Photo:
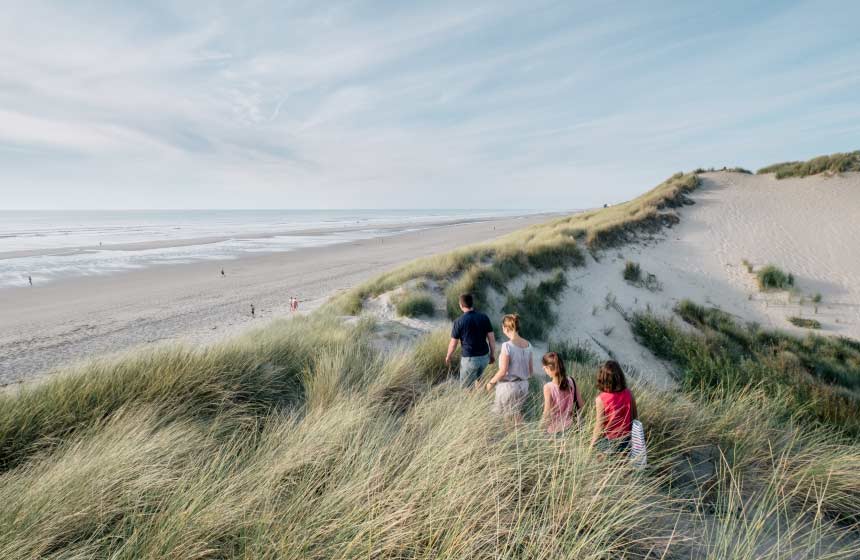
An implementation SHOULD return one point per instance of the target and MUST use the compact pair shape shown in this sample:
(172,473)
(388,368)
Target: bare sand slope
(59,323)
(809,227)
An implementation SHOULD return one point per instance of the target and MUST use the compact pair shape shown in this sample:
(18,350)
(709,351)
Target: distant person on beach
(292,304)
(561,399)
(253,311)
(222,273)
(473,331)
(515,367)
(616,410)
(30,279)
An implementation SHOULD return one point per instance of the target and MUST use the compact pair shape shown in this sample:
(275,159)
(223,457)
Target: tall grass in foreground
(379,458)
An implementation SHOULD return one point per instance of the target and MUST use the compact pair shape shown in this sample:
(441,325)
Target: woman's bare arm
(504,361)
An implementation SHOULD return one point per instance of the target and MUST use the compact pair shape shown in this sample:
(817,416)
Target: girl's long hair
(556,367)
(610,378)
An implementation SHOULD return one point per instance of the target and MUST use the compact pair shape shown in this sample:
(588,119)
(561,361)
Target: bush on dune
(804,322)
(772,278)
(535,306)
(415,304)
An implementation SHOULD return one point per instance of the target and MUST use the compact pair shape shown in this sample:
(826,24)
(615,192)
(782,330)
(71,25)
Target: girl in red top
(616,410)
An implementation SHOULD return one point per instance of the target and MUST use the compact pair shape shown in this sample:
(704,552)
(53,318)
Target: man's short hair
(467,301)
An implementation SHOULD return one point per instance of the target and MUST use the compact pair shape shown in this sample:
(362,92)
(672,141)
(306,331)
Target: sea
(51,245)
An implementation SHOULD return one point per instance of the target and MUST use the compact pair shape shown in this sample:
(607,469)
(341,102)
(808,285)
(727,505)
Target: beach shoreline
(387,228)
(76,319)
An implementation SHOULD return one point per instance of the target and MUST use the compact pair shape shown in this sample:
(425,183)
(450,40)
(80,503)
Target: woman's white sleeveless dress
(512,390)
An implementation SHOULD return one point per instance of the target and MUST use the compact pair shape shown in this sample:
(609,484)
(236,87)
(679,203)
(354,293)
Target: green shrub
(772,278)
(534,306)
(804,323)
(415,304)
(632,272)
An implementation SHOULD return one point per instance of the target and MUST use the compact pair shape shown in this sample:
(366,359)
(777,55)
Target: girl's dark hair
(556,365)
(610,378)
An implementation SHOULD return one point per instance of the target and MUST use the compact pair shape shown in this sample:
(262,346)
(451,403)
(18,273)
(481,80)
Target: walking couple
(563,404)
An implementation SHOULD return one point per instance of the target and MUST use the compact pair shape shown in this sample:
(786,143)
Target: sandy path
(53,325)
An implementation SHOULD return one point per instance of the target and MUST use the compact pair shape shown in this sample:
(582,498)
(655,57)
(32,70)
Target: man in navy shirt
(475,335)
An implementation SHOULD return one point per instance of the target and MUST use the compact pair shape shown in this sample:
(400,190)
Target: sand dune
(805,226)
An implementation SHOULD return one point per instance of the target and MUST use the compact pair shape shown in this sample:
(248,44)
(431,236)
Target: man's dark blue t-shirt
(471,329)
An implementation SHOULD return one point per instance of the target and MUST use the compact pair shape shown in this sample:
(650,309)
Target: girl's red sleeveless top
(617,413)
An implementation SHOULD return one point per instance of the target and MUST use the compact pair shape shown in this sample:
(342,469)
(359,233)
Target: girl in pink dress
(561,398)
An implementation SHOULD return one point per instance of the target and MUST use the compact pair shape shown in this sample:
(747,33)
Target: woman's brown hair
(512,322)
(555,364)
(610,378)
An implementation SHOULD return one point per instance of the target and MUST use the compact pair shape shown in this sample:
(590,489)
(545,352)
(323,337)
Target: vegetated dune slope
(807,227)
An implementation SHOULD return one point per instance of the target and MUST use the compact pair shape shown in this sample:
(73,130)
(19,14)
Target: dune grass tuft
(771,277)
(804,322)
(632,272)
(415,304)
(535,306)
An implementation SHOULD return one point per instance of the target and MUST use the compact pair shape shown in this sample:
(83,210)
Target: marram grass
(367,455)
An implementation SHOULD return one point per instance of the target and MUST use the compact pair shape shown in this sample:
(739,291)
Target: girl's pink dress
(563,406)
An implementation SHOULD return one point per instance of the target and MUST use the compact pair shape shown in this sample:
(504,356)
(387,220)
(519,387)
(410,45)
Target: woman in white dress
(511,382)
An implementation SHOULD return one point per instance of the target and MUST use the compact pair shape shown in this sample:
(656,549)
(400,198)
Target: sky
(529,104)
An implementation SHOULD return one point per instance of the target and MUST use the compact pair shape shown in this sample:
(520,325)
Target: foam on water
(237,232)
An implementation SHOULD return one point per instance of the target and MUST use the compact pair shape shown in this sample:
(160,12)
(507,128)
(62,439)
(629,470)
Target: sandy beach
(57,324)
